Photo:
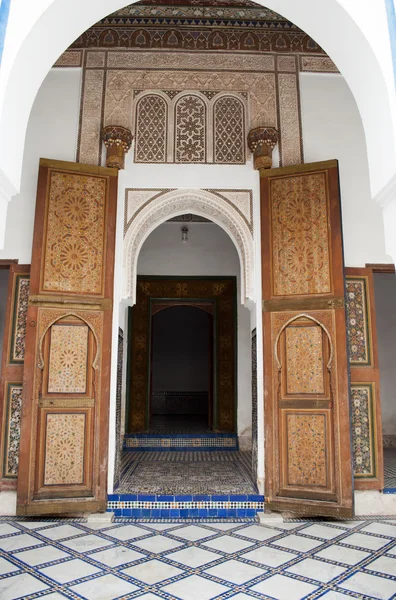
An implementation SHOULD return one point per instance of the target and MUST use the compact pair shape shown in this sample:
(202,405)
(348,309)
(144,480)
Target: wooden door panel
(307,448)
(13,357)
(365,380)
(63,457)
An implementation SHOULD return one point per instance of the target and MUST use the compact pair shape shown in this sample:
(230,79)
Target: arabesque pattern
(190,130)
(304,360)
(301,246)
(151,129)
(64,449)
(357,321)
(68,359)
(229,131)
(363,429)
(75,234)
(13,430)
(20,314)
(306,449)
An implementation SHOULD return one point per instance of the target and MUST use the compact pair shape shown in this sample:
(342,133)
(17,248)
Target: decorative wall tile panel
(21,300)
(64,449)
(190,130)
(229,131)
(300,250)
(68,359)
(290,129)
(89,142)
(304,360)
(306,450)
(151,129)
(75,234)
(13,409)
(358,330)
(363,429)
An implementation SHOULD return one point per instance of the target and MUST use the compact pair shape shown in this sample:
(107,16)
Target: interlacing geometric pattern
(190,126)
(229,131)
(151,119)
(197,561)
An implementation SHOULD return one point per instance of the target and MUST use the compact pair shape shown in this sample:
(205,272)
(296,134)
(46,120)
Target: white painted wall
(332,128)
(209,251)
(385,303)
(52,133)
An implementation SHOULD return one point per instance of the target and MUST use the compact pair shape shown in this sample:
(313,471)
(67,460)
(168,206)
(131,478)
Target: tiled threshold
(185,506)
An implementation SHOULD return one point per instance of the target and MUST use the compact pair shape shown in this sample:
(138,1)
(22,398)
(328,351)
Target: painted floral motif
(13,430)
(300,235)
(68,359)
(362,407)
(304,360)
(75,233)
(357,326)
(306,450)
(20,314)
(64,449)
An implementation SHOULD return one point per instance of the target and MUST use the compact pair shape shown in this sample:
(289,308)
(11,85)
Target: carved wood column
(261,142)
(117,140)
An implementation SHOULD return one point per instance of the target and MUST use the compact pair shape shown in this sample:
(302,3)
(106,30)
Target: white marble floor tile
(317,569)
(335,596)
(344,524)
(381,528)
(270,557)
(69,571)
(98,525)
(117,556)
(24,540)
(152,572)
(365,541)
(295,542)
(224,526)
(340,554)
(38,556)
(195,588)
(7,567)
(86,543)
(193,533)
(61,532)
(107,587)
(323,531)
(370,585)
(160,526)
(258,533)
(128,532)
(157,544)
(235,571)
(20,586)
(228,544)
(383,564)
(284,588)
(286,526)
(241,596)
(55,596)
(193,557)
(154,597)
(34,525)
(6,529)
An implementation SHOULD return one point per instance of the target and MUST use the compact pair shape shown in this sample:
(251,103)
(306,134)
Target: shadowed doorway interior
(181,374)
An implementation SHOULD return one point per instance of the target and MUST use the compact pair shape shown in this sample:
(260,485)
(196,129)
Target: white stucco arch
(189,201)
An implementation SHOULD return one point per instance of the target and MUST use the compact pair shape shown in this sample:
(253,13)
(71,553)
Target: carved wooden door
(365,380)
(306,402)
(64,430)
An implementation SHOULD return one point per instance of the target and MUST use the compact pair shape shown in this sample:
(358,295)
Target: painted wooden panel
(12,370)
(64,429)
(307,420)
(365,380)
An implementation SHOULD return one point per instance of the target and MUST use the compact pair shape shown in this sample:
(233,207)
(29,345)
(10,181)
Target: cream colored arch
(188,201)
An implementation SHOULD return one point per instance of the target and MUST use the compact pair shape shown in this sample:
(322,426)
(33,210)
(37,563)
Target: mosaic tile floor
(186,473)
(390,467)
(197,561)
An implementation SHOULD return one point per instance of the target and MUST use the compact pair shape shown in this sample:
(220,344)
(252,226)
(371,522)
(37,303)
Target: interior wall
(4,276)
(332,128)
(385,303)
(209,251)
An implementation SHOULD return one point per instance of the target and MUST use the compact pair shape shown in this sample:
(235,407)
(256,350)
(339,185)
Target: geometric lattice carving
(229,131)
(306,449)
(300,251)
(363,429)
(75,234)
(151,126)
(190,130)
(358,330)
(304,360)
(64,449)
(68,359)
